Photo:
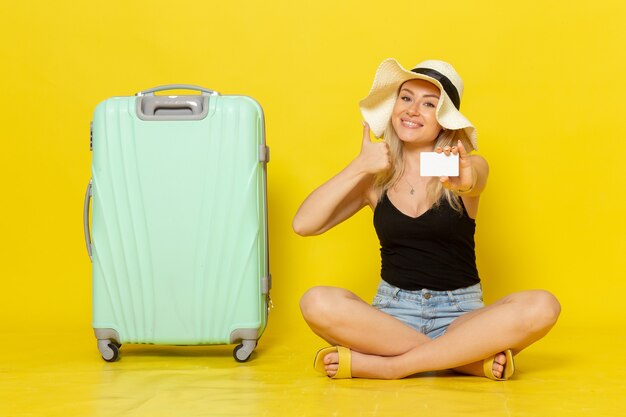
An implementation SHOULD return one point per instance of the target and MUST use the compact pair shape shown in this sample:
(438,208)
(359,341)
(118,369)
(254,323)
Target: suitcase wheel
(242,351)
(109,350)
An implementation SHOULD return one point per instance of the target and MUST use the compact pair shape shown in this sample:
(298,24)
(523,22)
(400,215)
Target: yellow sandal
(345,361)
(509,368)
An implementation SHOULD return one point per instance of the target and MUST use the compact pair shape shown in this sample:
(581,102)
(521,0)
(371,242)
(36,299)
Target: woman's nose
(413,110)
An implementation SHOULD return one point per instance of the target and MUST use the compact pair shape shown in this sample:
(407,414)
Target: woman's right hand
(374,156)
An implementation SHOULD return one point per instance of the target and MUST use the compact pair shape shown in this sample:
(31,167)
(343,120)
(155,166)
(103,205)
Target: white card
(433,164)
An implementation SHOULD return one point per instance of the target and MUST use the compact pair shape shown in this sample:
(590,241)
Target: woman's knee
(542,310)
(314,302)
(319,303)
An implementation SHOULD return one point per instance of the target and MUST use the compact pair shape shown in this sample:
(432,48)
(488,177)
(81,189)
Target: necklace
(412,188)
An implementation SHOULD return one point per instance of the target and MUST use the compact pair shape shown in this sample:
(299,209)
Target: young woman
(428,312)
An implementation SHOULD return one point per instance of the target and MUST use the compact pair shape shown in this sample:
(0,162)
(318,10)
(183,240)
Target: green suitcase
(178,236)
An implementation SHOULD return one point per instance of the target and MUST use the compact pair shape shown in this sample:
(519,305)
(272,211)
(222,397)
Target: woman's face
(413,116)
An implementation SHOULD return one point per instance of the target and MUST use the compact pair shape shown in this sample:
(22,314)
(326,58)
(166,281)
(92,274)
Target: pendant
(412,191)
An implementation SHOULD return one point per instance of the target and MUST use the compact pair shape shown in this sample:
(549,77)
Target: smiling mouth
(410,124)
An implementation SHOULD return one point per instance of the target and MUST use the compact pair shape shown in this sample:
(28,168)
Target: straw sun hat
(376,108)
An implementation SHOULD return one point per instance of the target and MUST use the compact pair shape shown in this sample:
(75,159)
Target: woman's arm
(472,179)
(346,193)
(480,170)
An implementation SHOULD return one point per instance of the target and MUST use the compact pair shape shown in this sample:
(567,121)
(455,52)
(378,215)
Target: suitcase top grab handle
(204,91)
(151,107)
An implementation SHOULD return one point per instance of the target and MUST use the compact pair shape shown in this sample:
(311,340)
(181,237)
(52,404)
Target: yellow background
(544,86)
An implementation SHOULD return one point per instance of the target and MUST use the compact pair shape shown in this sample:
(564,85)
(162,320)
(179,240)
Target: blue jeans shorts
(429,312)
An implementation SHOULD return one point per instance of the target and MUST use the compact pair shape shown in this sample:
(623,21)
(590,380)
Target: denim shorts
(429,312)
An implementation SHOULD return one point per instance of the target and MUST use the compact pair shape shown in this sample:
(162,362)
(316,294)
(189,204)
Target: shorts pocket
(470,304)
(381,301)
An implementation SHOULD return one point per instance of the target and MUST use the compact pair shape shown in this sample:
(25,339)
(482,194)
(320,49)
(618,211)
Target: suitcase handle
(86,219)
(204,91)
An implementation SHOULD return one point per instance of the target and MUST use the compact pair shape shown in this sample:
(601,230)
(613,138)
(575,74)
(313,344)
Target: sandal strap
(345,363)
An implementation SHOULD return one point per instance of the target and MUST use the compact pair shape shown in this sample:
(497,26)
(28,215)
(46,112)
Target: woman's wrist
(471,187)
(358,167)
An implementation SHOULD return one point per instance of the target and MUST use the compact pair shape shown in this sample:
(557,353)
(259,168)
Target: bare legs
(341,318)
(384,347)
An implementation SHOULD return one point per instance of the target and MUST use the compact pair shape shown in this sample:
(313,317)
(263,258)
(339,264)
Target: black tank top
(433,251)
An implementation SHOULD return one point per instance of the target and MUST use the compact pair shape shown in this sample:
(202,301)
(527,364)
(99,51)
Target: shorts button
(427,296)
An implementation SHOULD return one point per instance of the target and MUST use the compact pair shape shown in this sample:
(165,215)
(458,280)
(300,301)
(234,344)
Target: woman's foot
(500,368)
(362,366)
(477,368)
(381,367)
(499,362)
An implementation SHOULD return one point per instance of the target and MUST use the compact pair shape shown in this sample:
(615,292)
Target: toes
(332,364)
(331,370)
(331,358)
(499,363)
(497,370)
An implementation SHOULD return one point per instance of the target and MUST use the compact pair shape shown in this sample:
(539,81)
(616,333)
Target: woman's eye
(429,104)
(405,98)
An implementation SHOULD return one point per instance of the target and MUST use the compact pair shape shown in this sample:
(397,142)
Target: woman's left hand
(465,180)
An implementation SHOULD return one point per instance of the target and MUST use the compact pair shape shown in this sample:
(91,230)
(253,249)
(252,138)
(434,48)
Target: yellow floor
(47,374)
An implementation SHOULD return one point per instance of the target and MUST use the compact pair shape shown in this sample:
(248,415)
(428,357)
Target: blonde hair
(435,190)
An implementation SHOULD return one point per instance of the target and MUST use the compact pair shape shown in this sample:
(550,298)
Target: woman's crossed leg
(384,347)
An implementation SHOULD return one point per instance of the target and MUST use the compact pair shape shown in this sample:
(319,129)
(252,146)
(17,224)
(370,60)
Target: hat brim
(377,107)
